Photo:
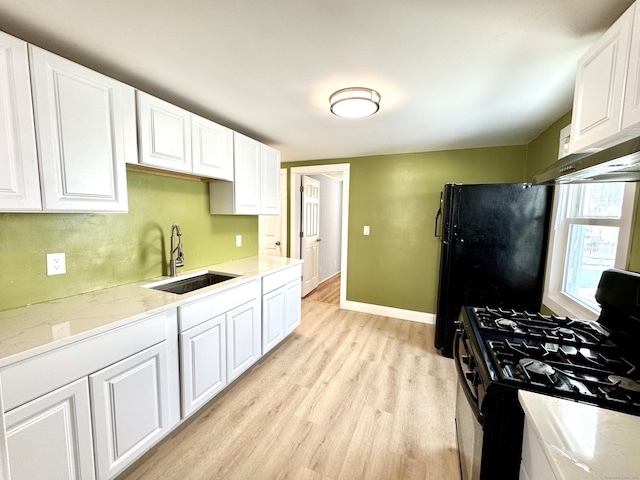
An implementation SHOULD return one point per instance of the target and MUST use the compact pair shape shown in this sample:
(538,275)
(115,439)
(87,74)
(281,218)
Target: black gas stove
(499,351)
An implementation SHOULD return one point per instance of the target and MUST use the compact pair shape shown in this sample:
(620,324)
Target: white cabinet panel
(247,175)
(203,362)
(631,106)
(600,85)
(273,308)
(19,181)
(130,408)
(165,134)
(81,133)
(243,338)
(56,430)
(256,186)
(269,181)
(212,147)
(293,306)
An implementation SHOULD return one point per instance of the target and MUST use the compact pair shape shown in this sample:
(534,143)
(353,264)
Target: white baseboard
(411,315)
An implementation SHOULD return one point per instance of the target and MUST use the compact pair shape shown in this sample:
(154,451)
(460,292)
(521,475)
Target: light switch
(238,240)
(366,229)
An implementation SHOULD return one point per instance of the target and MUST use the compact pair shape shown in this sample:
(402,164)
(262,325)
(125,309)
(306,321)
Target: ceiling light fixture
(355,102)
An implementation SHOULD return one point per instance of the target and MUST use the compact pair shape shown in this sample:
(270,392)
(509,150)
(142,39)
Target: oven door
(468,417)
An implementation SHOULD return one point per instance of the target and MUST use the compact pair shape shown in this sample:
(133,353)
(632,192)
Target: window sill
(563,306)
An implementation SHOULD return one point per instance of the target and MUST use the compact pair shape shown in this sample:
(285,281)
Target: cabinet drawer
(29,379)
(206,308)
(278,279)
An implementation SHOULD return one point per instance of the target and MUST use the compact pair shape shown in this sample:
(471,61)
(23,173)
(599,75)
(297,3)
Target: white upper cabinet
(631,107)
(172,138)
(212,147)
(164,133)
(82,134)
(256,186)
(269,181)
(19,181)
(602,78)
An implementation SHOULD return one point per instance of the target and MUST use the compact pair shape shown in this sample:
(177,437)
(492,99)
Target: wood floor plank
(346,396)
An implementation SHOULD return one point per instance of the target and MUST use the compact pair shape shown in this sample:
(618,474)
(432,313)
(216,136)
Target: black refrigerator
(493,250)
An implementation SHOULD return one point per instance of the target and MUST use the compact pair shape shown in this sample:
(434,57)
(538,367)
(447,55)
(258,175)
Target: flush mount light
(355,102)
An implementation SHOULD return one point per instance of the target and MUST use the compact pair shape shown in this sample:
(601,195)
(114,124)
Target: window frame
(561,220)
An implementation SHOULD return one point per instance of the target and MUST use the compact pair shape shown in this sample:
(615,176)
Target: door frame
(294,209)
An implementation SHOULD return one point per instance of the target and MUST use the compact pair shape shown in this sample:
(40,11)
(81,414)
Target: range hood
(620,163)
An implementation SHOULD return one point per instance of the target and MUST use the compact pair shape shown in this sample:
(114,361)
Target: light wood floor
(347,396)
(327,292)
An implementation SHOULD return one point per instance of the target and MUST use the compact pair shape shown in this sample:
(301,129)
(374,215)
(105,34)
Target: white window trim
(553,297)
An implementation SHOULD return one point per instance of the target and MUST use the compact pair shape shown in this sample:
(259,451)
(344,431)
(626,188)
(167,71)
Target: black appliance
(498,351)
(494,242)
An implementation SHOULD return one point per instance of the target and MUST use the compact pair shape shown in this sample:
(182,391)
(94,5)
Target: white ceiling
(452,73)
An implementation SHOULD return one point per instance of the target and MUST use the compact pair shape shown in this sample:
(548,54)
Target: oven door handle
(471,399)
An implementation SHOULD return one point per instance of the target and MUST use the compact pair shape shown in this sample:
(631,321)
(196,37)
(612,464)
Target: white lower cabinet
(243,338)
(50,437)
(281,305)
(203,359)
(130,408)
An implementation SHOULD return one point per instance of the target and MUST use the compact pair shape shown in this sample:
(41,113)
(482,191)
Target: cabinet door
(50,437)
(269,181)
(631,108)
(243,338)
(81,130)
(19,182)
(600,83)
(130,408)
(246,175)
(273,313)
(293,306)
(204,363)
(164,131)
(212,147)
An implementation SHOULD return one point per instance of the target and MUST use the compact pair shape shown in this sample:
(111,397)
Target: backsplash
(104,250)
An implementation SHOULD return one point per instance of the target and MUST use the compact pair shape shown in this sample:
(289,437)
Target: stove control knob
(470,361)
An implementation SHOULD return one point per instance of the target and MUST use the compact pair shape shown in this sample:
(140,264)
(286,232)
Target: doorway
(342,170)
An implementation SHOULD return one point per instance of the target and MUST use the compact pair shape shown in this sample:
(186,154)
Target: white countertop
(583,442)
(34,329)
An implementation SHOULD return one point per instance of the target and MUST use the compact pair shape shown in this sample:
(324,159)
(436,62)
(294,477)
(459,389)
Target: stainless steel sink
(189,284)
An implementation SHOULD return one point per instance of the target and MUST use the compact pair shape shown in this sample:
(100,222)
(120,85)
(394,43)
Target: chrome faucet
(178,261)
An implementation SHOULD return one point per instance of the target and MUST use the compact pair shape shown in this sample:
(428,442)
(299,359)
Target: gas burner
(536,366)
(565,332)
(506,323)
(625,383)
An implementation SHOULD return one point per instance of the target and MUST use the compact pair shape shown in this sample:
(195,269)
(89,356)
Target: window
(590,232)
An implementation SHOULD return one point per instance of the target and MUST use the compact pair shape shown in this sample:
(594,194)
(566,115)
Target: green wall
(398,197)
(103,250)
(543,151)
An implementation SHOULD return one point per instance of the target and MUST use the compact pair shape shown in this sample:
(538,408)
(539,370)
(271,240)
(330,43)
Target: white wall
(330,226)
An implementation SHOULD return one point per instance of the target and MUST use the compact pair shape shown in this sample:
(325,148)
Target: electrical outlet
(238,240)
(56,264)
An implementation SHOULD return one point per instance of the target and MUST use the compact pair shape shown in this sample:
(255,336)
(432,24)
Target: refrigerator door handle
(438,215)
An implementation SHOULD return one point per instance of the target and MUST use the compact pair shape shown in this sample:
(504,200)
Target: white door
(83,129)
(600,80)
(246,153)
(243,338)
(273,228)
(310,233)
(130,402)
(165,134)
(19,181)
(50,437)
(203,362)
(212,149)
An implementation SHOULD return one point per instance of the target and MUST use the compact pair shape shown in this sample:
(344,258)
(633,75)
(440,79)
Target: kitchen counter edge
(35,329)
